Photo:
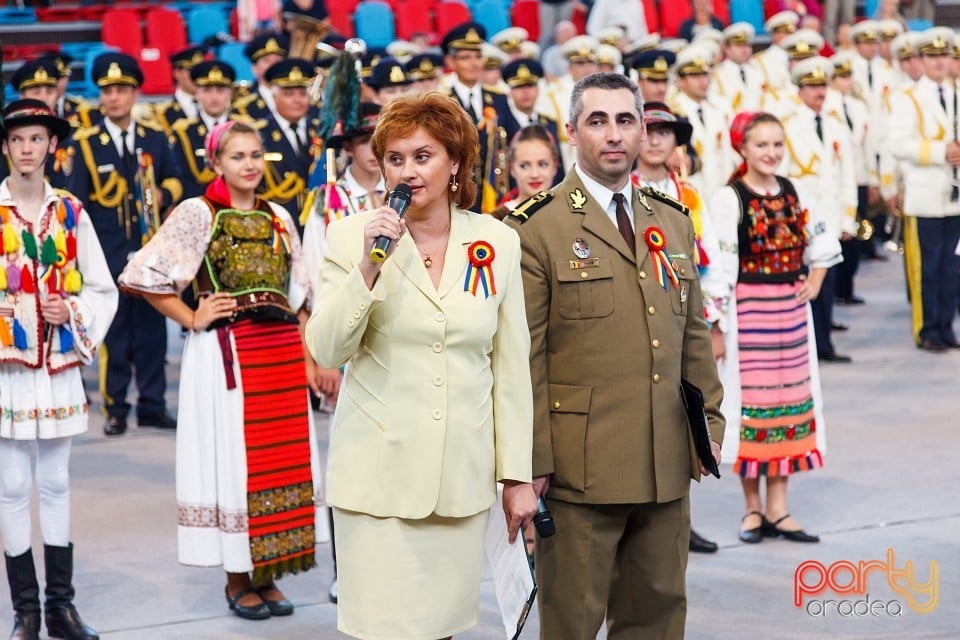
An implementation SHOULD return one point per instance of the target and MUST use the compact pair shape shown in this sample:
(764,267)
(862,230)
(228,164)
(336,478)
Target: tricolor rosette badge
(480,270)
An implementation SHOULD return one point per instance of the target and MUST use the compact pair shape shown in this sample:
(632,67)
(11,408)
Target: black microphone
(398,200)
(543,520)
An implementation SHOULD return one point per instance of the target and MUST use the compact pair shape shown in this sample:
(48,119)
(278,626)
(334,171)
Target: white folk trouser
(53,484)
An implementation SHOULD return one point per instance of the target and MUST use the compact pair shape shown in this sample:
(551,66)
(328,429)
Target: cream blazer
(436,404)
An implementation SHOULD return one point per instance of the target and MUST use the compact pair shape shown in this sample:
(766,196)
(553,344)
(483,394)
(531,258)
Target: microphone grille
(403,190)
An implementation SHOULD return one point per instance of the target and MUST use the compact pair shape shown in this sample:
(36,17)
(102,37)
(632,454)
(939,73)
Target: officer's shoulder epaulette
(495,90)
(525,210)
(666,199)
(245,99)
(83,133)
(150,124)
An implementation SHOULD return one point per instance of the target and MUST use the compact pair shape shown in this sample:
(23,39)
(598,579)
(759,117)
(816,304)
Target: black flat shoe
(850,300)
(699,544)
(115,426)
(834,357)
(770,530)
(158,420)
(836,326)
(282,607)
(952,343)
(247,612)
(751,536)
(933,346)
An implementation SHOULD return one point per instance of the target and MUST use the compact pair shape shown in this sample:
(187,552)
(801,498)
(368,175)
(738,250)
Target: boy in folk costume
(58,301)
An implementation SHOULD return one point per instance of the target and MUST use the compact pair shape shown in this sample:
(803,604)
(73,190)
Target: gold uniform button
(556,404)
(655,343)
(643,275)
(656,377)
(584,274)
(683,271)
(651,310)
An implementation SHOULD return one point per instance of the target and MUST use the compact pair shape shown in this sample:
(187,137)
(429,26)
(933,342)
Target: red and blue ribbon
(661,263)
(479,271)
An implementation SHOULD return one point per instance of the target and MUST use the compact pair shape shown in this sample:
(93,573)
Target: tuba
(305,34)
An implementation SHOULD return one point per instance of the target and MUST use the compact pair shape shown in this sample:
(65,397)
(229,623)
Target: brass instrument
(305,34)
(865,229)
(501,170)
(147,196)
(894,228)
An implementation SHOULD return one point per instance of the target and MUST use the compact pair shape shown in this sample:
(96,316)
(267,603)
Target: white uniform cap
(611,36)
(529,49)
(674,45)
(739,33)
(402,50)
(510,39)
(865,31)
(579,49)
(782,21)
(648,42)
(812,71)
(802,44)
(693,59)
(609,54)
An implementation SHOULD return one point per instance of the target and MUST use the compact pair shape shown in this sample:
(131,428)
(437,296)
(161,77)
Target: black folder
(697,418)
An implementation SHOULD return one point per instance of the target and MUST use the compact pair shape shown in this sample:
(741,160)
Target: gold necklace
(428,256)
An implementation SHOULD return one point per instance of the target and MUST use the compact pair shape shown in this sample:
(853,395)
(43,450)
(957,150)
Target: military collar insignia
(104,138)
(577,199)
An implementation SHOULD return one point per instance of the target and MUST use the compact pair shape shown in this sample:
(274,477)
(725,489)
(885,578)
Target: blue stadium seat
(232,54)
(492,15)
(203,22)
(748,11)
(919,24)
(374,23)
(17,16)
(870,8)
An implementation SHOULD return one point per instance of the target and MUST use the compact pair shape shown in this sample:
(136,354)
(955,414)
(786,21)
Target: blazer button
(584,274)
(643,275)
(655,343)
(437,414)
(440,317)
(356,314)
(437,381)
(556,404)
(651,310)
(363,306)
(350,323)
(656,377)
(437,347)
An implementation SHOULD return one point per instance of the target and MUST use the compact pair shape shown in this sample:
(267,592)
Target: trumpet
(146,193)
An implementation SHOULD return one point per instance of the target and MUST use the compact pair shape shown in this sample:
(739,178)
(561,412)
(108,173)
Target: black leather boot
(60,615)
(25,594)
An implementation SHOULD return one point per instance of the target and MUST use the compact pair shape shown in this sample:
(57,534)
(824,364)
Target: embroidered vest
(771,234)
(249,257)
(40,260)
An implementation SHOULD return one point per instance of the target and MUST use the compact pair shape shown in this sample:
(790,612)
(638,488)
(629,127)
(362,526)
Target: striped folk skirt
(777,423)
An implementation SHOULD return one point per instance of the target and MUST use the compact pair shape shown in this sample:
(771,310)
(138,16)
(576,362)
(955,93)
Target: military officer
(711,128)
(923,137)
(120,164)
(264,51)
(904,50)
(610,341)
(735,81)
(424,70)
(184,103)
(493,60)
(462,47)
(841,102)
(71,108)
(609,59)
(772,61)
(820,159)
(289,134)
(653,73)
(510,41)
(388,80)
(214,82)
(523,77)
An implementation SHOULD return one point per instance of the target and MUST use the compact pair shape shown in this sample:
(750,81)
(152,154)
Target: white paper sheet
(512,578)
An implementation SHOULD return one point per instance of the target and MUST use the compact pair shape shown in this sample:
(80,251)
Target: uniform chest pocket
(680,295)
(584,291)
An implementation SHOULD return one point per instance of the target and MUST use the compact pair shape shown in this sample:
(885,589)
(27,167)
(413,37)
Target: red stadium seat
(157,72)
(59,14)
(652,15)
(526,14)
(341,18)
(449,14)
(721,9)
(121,29)
(165,29)
(672,15)
(413,16)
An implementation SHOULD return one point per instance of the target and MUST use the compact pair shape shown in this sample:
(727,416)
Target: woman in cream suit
(436,404)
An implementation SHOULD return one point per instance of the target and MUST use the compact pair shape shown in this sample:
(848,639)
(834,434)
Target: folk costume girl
(58,301)
(772,397)
(247,472)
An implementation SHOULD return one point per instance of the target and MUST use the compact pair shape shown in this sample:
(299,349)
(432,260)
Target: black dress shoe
(933,346)
(282,607)
(247,612)
(699,544)
(115,426)
(952,343)
(834,357)
(159,420)
(850,300)
(751,536)
(836,326)
(770,530)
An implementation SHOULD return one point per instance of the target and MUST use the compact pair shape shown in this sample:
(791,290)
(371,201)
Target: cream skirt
(408,579)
